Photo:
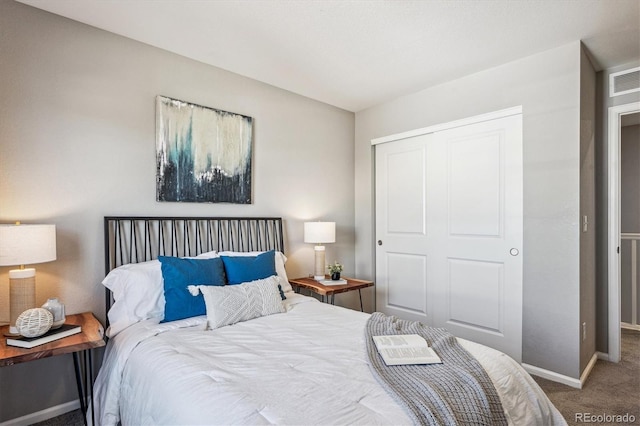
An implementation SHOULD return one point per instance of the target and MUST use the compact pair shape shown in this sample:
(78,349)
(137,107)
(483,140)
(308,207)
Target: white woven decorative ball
(34,322)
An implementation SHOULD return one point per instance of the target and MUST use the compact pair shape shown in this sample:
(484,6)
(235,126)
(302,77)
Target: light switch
(585,223)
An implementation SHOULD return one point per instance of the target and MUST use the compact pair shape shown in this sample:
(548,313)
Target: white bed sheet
(305,366)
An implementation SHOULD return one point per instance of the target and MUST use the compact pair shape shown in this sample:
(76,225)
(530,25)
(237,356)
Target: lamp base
(22,294)
(318,272)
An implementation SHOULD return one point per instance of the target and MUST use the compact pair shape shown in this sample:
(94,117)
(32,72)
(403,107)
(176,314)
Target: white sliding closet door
(403,252)
(449,231)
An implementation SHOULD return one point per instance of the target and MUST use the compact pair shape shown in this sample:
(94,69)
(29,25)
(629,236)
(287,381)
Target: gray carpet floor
(72,418)
(611,389)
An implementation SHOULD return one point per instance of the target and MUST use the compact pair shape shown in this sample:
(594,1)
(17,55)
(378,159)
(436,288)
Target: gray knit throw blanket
(456,392)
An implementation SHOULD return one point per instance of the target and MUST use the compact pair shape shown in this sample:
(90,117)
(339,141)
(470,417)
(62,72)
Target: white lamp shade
(27,244)
(319,232)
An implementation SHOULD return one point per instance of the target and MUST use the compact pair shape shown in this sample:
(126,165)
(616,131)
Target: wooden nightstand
(80,345)
(331,290)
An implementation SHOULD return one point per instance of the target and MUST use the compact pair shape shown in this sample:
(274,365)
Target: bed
(301,362)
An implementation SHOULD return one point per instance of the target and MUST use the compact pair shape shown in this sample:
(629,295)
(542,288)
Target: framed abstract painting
(203,155)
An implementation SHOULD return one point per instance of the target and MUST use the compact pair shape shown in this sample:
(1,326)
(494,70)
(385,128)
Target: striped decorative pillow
(236,303)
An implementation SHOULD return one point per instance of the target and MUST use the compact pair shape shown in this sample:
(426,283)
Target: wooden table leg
(84,381)
(79,376)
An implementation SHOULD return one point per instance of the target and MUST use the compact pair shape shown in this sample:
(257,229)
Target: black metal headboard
(134,239)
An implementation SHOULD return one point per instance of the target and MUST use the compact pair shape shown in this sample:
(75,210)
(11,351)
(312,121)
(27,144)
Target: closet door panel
(449,230)
(402,259)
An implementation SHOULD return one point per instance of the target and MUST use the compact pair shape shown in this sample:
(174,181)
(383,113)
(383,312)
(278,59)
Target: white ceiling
(358,53)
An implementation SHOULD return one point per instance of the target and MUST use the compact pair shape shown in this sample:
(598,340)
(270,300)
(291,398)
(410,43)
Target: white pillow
(138,293)
(230,304)
(280,258)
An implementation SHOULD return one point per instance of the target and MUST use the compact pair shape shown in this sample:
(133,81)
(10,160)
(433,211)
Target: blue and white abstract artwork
(203,154)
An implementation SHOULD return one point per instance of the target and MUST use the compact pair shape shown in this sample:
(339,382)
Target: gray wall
(603,103)
(629,216)
(547,85)
(630,179)
(587,208)
(77,142)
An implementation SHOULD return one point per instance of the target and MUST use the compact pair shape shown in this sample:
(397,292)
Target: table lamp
(24,245)
(319,233)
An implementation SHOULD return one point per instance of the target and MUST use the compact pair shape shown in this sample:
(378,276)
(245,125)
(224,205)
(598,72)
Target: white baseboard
(560,378)
(552,375)
(603,356)
(630,326)
(43,415)
(587,369)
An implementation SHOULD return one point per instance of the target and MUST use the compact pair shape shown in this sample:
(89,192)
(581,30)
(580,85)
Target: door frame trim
(449,125)
(613,262)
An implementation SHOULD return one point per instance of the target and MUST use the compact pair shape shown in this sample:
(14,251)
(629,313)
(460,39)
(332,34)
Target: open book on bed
(403,349)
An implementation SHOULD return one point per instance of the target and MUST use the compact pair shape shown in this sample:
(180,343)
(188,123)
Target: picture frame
(203,154)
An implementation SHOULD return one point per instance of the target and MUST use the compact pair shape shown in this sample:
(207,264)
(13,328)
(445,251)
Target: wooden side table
(80,345)
(331,290)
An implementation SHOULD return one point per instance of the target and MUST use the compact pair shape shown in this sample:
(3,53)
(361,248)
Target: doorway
(629,220)
(616,116)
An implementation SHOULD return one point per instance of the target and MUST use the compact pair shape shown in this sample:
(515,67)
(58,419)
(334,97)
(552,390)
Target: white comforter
(305,366)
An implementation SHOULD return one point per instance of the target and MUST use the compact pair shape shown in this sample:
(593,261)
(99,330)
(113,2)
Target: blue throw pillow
(242,269)
(179,273)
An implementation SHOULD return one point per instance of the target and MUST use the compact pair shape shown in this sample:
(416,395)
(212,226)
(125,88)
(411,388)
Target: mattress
(305,366)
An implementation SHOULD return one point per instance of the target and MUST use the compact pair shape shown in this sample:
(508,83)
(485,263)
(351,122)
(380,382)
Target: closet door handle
(379,242)
(514,252)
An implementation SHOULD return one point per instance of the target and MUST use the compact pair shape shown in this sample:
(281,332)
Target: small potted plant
(335,270)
